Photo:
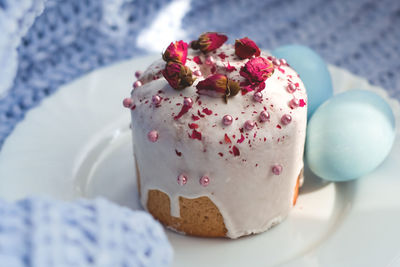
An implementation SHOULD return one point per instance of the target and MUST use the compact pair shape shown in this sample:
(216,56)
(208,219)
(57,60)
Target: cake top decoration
(218,85)
(176,52)
(178,76)
(256,71)
(246,48)
(209,41)
(218,81)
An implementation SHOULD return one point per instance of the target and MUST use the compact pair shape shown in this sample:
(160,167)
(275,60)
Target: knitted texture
(73,37)
(40,232)
(15,21)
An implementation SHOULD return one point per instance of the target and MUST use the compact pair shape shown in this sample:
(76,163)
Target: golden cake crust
(199,216)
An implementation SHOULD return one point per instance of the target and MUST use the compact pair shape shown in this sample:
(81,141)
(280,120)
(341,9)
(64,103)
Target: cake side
(250,173)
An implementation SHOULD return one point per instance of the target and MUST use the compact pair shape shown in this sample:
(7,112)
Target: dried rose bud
(178,75)
(176,52)
(246,48)
(209,41)
(218,85)
(257,70)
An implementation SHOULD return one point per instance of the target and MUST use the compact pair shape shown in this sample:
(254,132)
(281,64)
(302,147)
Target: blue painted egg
(312,70)
(349,135)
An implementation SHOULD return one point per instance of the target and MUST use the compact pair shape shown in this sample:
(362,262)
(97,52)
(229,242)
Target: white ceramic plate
(77,143)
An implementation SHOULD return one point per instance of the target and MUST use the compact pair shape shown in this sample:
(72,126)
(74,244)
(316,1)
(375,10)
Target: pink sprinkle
(137,84)
(195,118)
(156,100)
(276,62)
(127,102)
(291,88)
(294,103)
(277,169)
(258,96)
(210,60)
(204,181)
(182,179)
(227,120)
(286,119)
(249,125)
(264,116)
(281,70)
(152,136)
(302,103)
(138,73)
(187,101)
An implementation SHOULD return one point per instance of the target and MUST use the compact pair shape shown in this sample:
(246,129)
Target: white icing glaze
(249,196)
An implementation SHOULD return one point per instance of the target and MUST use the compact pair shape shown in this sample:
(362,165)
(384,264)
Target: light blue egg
(349,135)
(312,70)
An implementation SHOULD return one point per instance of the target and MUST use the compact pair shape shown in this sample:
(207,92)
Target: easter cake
(218,134)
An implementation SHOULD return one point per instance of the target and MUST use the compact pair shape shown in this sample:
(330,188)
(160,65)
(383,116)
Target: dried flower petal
(229,68)
(246,48)
(222,55)
(209,41)
(218,85)
(195,135)
(235,151)
(207,111)
(257,70)
(227,139)
(197,59)
(176,52)
(241,139)
(178,75)
(193,125)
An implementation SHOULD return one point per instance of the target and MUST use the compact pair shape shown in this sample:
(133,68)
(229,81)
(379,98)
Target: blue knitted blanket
(39,232)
